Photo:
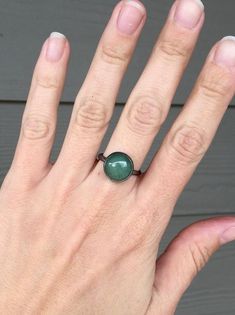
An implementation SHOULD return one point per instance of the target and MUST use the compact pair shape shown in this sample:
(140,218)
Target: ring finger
(95,101)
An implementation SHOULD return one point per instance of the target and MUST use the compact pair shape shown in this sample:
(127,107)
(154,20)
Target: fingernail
(188,13)
(228,235)
(56,45)
(225,52)
(130,16)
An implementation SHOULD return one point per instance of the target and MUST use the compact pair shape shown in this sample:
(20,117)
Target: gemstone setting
(118,166)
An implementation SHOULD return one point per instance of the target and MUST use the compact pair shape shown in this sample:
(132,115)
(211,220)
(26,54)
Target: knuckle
(138,230)
(47,81)
(187,145)
(92,115)
(145,116)
(200,255)
(135,232)
(114,54)
(36,127)
(174,48)
(215,84)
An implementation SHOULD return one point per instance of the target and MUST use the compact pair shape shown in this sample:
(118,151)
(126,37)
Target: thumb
(186,255)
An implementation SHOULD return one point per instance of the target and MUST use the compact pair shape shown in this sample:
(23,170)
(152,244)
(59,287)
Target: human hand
(75,242)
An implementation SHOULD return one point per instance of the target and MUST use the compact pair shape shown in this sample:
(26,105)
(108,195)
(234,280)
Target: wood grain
(24,25)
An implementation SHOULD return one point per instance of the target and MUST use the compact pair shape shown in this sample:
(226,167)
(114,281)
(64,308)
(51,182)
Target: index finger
(193,131)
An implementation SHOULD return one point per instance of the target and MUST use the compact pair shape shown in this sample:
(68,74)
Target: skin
(71,240)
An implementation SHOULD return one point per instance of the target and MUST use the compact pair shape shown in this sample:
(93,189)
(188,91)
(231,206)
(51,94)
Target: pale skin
(71,240)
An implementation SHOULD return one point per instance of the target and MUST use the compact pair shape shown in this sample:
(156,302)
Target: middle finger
(150,100)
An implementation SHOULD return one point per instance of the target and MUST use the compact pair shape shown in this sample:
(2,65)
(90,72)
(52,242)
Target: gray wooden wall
(25,24)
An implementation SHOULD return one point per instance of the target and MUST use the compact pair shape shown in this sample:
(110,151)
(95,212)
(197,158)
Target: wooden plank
(83,22)
(211,189)
(213,290)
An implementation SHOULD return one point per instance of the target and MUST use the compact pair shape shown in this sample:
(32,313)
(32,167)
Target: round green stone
(118,166)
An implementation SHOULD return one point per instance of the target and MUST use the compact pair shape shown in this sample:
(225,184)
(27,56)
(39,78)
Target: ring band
(118,166)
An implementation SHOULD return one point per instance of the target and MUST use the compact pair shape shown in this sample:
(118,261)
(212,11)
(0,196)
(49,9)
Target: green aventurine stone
(118,166)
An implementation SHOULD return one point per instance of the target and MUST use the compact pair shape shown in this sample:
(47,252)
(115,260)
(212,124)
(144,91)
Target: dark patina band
(118,166)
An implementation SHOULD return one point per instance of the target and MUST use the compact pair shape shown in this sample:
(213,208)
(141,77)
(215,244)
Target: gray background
(25,24)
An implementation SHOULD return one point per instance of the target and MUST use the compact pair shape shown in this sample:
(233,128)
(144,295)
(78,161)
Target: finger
(95,101)
(186,255)
(191,134)
(150,100)
(39,119)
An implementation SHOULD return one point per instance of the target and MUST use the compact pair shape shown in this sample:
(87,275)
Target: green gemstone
(118,166)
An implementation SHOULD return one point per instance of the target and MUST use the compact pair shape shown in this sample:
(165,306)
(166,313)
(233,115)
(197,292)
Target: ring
(118,166)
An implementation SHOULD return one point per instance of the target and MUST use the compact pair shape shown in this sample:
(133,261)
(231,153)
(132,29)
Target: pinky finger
(31,160)
(186,255)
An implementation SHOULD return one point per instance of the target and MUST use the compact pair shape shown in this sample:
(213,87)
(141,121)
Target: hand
(75,242)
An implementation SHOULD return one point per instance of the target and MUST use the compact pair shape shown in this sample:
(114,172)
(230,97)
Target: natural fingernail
(225,52)
(56,45)
(130,16)
(188,13)
(228,235)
